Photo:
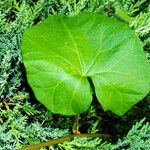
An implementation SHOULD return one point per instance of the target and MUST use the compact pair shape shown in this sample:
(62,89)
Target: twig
(8,104)
(64,139)
(108,12)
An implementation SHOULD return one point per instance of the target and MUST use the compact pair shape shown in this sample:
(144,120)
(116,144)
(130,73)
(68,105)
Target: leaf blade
(67,50)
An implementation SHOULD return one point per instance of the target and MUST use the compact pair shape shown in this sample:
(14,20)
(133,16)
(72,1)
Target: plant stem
(75,128)
(64,139)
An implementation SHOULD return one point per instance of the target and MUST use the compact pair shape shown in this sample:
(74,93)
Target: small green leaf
(61,53)
(123,15)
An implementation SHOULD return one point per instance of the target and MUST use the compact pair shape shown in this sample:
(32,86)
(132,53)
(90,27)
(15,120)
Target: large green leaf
(62,52)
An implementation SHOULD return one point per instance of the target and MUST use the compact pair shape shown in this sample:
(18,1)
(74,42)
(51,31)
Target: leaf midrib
(74,44)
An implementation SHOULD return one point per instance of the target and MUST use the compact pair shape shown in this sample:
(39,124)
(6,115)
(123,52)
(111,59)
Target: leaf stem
(75,128)
(64,139)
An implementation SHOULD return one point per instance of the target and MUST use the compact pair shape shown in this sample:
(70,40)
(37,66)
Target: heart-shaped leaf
(62,52)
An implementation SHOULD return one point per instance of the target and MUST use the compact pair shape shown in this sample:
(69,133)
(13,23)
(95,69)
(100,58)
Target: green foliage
(132,7)
(137,138)
(10,56)
(15,17)
(17,132)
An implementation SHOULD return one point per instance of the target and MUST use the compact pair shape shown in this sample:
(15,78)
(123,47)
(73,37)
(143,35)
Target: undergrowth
(23,121)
